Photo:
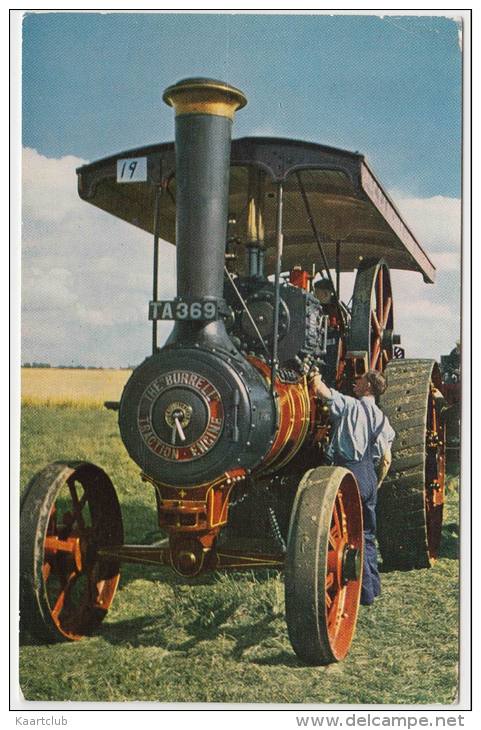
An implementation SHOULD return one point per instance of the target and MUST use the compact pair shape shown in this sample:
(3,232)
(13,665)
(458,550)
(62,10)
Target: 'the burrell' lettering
(205,441)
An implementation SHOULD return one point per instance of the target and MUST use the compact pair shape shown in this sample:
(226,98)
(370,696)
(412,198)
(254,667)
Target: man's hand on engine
(316,384)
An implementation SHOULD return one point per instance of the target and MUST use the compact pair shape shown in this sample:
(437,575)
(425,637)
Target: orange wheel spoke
(336,594)
(329,580)
(342,511)
(386,310)
(60,602)
(375,321)
(332,610)
(54,544)
(46,570)
(375,354)
(333,613)
(380,287)
(336,521)
(334,538)
(434,416)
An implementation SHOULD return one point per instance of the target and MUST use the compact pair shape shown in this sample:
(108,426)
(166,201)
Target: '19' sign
(132,169)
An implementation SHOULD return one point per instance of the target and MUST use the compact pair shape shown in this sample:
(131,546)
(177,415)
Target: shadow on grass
(450,541)
(282,659)
(28,639)
(146,632)
(130,572)
(251,636)
(245,635)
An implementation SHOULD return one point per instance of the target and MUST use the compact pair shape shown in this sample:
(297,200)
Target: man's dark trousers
(366,478)
(367,482)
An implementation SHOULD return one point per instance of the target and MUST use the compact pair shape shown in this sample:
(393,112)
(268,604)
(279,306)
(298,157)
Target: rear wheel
(411,499)
(68,512)
(324,565)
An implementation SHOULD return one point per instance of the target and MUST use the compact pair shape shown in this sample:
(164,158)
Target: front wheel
(69,510)
(324,565)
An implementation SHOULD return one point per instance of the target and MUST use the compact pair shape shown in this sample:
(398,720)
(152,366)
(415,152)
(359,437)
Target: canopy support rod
(155,282)
(338,268)
(277,285)
(318,241)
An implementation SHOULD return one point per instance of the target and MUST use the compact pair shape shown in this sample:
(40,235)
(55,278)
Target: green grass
(224,638)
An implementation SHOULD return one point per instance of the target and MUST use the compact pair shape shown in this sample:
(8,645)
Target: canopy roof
(350,209)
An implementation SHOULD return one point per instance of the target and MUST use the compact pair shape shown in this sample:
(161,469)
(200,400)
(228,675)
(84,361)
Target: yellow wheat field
(56,386)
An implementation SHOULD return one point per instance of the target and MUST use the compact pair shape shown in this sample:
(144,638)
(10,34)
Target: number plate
(132,169)
(189,311)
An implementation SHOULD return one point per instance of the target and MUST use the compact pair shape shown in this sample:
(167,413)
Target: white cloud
(425,309)
(49,187)
(436,221)
(427,316)
(86,276)
(264,130)
(447,261)
(46,290)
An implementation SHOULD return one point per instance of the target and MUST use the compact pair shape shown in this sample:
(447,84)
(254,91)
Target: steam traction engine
(220,419)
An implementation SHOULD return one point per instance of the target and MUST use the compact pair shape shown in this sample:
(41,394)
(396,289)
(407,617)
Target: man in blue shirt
(361,442)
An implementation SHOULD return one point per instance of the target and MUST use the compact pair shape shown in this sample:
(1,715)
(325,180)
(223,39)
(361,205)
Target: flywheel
(372,317)
(410,501)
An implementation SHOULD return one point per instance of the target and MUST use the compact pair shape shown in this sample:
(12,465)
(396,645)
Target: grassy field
(224,638)
(76,388)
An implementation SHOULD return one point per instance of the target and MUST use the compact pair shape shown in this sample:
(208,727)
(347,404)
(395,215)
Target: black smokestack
(204,112)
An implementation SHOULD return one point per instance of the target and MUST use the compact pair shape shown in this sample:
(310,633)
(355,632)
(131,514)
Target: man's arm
(318,386)
(382,452)
(383,466)
(338,403)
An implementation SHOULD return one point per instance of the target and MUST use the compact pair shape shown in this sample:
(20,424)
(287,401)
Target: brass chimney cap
(204,96)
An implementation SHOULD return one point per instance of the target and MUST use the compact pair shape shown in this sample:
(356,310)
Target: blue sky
(386,86)
(92,85)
